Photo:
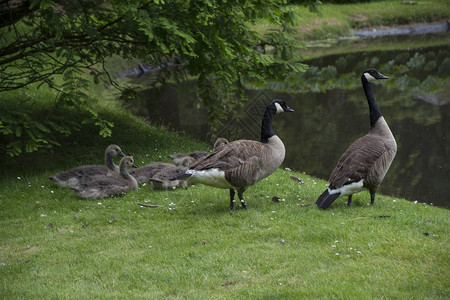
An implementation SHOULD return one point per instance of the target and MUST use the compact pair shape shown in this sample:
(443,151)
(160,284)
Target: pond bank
(414,29)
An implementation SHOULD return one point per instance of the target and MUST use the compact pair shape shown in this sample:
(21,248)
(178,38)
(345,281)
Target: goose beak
(134,165)
(382,76)
(122,154)
(288,109)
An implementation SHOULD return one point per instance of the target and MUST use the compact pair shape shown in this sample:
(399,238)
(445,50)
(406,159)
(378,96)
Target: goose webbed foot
(349,202)
(241,197)
(232,199)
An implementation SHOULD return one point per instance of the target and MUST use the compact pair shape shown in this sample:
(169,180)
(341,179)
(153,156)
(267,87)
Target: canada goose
(242,163)
(151,170)
(109,186)
(161,179)
(177,158)
(365,163)
(84,174)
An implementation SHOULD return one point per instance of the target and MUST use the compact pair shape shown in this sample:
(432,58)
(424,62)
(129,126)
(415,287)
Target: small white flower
(287,169)
(334,246)
(394,201)
(415,202)
(18,177)
(52,192)
(99,203)
(359,252)
(42,186)
(337,253)
(43,215)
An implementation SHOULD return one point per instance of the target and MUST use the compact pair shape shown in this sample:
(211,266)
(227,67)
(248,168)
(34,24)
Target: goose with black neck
(242,163)
(366,161)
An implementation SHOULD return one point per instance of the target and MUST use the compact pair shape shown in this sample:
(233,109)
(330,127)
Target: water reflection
(331,112)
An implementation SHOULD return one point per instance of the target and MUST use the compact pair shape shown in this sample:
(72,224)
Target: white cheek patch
(369,77)
(279,108)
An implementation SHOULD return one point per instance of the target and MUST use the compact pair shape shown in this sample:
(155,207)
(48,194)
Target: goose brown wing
(229,156)
(357,161)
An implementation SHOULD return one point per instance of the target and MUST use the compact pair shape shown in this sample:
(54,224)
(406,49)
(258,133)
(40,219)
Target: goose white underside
(348,189)
(211,177)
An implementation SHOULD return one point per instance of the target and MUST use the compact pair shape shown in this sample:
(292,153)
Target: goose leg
(241,197)
(349,202)
(232,199)
(372,198)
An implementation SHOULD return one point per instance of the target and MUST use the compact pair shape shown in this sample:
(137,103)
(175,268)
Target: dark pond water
(331,112)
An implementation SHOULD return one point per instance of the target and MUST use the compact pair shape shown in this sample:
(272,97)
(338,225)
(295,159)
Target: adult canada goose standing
(242,163)
(365,163)
(109,186)
(83,174)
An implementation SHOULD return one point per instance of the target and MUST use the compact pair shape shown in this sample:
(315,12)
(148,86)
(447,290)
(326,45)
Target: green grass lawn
(55,245)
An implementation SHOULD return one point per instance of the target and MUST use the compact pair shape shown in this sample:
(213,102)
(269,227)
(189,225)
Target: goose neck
(109,160)
(266,126)
(124,172)
(374,111)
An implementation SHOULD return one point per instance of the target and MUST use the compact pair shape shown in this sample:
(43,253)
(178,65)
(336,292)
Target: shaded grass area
(55,245)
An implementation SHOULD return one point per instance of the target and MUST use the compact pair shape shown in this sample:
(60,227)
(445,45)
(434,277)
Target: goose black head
(372,75)
(280,106)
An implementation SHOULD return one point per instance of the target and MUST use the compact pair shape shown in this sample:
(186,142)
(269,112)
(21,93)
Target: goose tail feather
(180,176)
(326,199)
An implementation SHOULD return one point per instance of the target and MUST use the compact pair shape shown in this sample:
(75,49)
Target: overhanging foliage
(209,39)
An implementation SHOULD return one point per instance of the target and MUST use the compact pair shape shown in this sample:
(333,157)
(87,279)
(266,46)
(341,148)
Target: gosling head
(115,150)
(128,161)
(220,142)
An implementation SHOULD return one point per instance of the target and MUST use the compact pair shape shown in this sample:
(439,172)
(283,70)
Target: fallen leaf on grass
(147,205)
(276,199)
(296,179)
(229,282)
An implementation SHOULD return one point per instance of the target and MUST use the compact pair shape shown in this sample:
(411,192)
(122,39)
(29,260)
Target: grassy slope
(339,20)
(193,247)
